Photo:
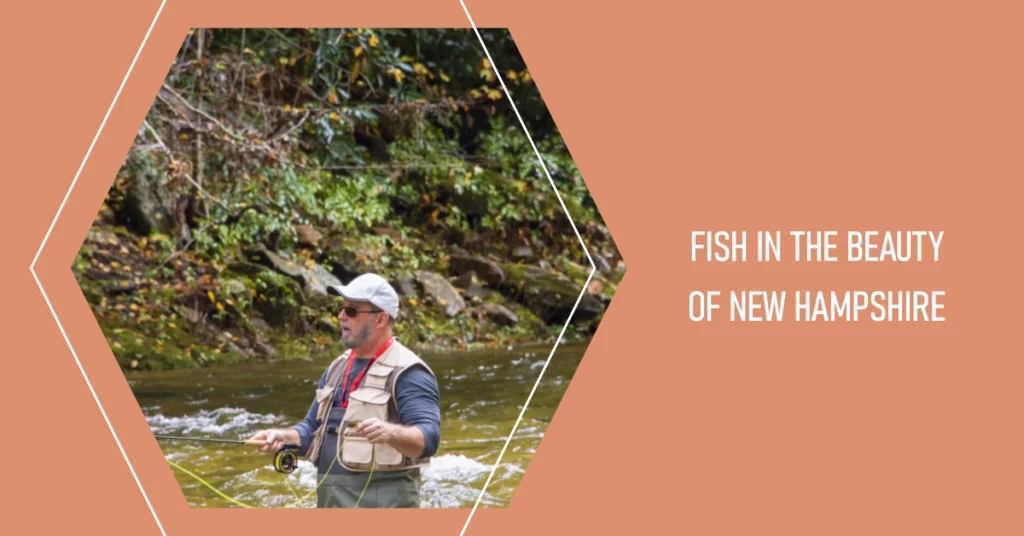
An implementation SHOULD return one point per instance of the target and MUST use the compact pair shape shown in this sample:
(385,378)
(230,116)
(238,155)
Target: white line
(32,267)
(593,268)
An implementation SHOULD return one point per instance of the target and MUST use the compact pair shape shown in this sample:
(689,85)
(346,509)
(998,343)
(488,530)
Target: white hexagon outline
(88,153)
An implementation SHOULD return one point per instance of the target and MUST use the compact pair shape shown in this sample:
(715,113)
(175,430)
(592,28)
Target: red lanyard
(348,368)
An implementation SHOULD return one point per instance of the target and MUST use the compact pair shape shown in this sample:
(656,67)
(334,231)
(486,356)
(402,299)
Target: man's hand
(376,431)
(274,440)
(405,439)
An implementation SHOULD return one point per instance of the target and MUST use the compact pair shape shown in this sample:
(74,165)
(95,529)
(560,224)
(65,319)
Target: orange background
(738,116)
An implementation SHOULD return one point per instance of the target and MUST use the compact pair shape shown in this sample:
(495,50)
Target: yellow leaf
(358,51)
(511,75)
(397,73)
(332,97)
(484,64)
(117,344)
(356,66)
(419,68)
(115,264)
(209,294)
(335,116)
(220,306)
(287,107)
(172,325)
(445,77)
(494,94)
(412,301)
(374,40)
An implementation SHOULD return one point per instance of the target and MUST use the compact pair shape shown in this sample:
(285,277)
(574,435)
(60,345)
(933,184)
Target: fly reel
(285,461)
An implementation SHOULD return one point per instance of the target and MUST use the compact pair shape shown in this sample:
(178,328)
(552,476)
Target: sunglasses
(351,312)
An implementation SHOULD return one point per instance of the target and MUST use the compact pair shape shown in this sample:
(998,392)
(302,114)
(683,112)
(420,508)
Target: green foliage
(393,145)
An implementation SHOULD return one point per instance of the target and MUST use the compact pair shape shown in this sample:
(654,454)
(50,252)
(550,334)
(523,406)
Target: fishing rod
(285,461)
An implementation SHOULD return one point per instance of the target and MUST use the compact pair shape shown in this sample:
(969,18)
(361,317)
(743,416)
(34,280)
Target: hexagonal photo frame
(276,164)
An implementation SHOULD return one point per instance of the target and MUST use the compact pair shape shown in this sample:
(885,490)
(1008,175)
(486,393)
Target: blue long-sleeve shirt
(417,397)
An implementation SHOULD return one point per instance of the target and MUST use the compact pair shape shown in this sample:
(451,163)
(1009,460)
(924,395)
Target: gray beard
(357,339)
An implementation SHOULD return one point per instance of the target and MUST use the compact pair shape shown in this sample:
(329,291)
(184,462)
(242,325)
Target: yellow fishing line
(207,484)
(373,462)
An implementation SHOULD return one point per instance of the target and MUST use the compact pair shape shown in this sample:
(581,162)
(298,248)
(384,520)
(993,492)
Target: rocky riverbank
(163,308)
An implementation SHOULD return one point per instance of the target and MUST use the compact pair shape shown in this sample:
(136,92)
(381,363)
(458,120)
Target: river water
(482,395)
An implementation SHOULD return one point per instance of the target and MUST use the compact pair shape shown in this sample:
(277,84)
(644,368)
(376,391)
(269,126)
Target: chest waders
(351,471)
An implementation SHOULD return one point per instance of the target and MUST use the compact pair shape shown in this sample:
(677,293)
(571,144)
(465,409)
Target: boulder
(497,313)
(405,284)
(146,206)
(490,272)
(470,286)
(312,279)
(549,295)
(442,291)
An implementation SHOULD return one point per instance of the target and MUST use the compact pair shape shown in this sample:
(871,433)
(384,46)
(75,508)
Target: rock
(315,279)
(444,293)
(550,296)
(523,252)
(470,286)
(259,324)
(319,278)
(406,286)
(497,313)
(487,270)
(145,208)
(263,349)
(308,236)
(262,255)
(246,268)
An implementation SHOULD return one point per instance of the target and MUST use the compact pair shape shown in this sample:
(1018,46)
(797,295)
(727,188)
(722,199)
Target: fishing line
(285,462)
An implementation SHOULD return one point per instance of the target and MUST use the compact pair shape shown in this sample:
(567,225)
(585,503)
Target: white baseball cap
(369,288)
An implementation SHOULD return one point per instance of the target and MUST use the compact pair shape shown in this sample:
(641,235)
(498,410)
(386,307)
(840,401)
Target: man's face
(357,328)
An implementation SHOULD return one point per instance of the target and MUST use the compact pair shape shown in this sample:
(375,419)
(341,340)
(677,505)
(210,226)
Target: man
(377,411)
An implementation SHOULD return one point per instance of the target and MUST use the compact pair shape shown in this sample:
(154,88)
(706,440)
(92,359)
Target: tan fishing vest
(374,398)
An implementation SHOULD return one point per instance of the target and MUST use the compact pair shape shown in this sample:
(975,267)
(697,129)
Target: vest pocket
(356,452)
(366,404)
(359,453)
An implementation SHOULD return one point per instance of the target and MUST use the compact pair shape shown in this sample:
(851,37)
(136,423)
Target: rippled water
(482,394)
